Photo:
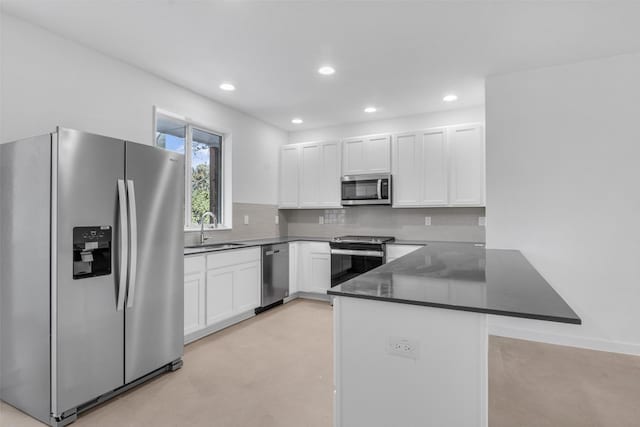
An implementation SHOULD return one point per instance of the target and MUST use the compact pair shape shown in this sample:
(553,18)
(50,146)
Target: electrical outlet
(482,221)
(246,220)
(277,219)
(320,220)
(427,220)
(403,347)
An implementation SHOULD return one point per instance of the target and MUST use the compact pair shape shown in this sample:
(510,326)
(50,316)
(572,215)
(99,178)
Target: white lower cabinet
(219,286)
(314,267)
(396,251)
(293,267)
(194,291)
(219,294)
(246,286)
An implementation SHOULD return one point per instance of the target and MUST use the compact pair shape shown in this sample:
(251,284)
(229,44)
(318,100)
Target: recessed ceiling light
(227,86)
(296,121)
(326,70)
(370,110)
(450,98)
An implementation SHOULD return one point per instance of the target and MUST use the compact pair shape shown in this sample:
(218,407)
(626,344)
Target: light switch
(320,220)
(427,220)
(277,219)
(482,221)
(246,220)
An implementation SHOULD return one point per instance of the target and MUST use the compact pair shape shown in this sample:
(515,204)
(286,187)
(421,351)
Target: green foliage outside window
(200,192)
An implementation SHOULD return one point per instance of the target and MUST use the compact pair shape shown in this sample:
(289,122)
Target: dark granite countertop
(463,276)
(210,247)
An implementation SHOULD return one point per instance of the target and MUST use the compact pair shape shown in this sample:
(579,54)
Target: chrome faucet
(213,221)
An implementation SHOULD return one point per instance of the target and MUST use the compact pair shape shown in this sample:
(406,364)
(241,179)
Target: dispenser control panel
(92,250)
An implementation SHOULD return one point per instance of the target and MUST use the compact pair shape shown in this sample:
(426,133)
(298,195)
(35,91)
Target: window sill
(208,229)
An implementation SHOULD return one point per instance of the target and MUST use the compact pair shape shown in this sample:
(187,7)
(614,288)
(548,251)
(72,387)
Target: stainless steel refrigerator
(91,270)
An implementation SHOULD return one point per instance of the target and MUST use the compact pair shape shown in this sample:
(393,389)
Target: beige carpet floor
(276,370)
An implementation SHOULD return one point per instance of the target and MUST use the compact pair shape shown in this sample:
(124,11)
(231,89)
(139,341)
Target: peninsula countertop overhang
(466,277)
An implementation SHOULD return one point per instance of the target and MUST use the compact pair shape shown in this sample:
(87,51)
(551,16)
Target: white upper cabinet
(310,175)
(467,166)
(289,169)
(439,167)
(407,170)
(435,167)
(330,195)
(370,154)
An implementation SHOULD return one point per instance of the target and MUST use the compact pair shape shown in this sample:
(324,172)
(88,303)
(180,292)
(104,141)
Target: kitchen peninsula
(410,337)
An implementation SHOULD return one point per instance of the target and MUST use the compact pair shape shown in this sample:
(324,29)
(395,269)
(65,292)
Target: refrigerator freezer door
(87,357)
(154,314)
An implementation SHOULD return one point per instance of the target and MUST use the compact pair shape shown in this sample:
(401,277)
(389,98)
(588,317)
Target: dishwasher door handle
(269,253)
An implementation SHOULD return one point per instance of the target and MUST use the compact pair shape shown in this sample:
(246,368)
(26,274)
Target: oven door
(349,263)
(366,189)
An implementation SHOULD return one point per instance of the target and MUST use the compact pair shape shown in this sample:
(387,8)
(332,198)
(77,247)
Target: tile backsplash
(447,224)
(262,225)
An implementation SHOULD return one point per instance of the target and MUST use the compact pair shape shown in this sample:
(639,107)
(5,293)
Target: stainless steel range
(354,255)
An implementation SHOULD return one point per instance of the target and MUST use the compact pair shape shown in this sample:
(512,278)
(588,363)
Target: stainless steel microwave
(373,189)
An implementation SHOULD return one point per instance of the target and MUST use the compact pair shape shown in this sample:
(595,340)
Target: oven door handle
(378,254)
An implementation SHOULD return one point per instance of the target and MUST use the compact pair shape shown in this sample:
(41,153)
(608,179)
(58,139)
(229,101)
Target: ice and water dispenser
(91,251)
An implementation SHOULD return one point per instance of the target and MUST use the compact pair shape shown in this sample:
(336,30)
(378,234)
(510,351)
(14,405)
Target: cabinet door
(329,183)
(353,153)
(246,287)
(219,294)
(310,168)
(293,268)
(289,165)
(466,147)
(315,267)
(193,302)
(434,145)
(194,294)
(320,272)
(407,170)
(378,154)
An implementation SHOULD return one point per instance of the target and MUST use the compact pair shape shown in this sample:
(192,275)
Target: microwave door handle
(124,244)
(379,189)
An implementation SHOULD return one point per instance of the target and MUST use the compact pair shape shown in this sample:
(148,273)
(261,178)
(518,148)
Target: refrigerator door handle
(133,229)
(124,244)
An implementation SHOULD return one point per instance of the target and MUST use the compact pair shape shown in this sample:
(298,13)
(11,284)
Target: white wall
(563,186)
(47,81)
(397,124)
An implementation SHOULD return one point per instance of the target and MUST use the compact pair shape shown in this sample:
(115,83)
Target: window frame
(226,220)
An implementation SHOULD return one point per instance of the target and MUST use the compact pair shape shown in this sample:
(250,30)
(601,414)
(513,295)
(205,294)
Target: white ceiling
(401,57)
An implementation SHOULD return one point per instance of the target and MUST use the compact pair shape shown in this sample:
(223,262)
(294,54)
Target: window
(204,164)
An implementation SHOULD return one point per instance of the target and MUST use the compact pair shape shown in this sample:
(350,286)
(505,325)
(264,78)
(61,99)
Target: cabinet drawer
(232,257)
(318,247)
(193,264)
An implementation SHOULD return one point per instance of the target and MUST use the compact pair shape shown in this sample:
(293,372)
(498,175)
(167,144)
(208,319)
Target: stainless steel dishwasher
(275,275)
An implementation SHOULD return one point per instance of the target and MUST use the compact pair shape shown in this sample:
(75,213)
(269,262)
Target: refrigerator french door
(117,302)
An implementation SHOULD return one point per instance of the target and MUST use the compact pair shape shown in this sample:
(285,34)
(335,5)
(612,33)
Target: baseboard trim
(313,295)
(565,340)
(194,336)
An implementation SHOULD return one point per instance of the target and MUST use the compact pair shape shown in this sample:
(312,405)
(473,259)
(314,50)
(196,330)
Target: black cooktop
(364,239)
